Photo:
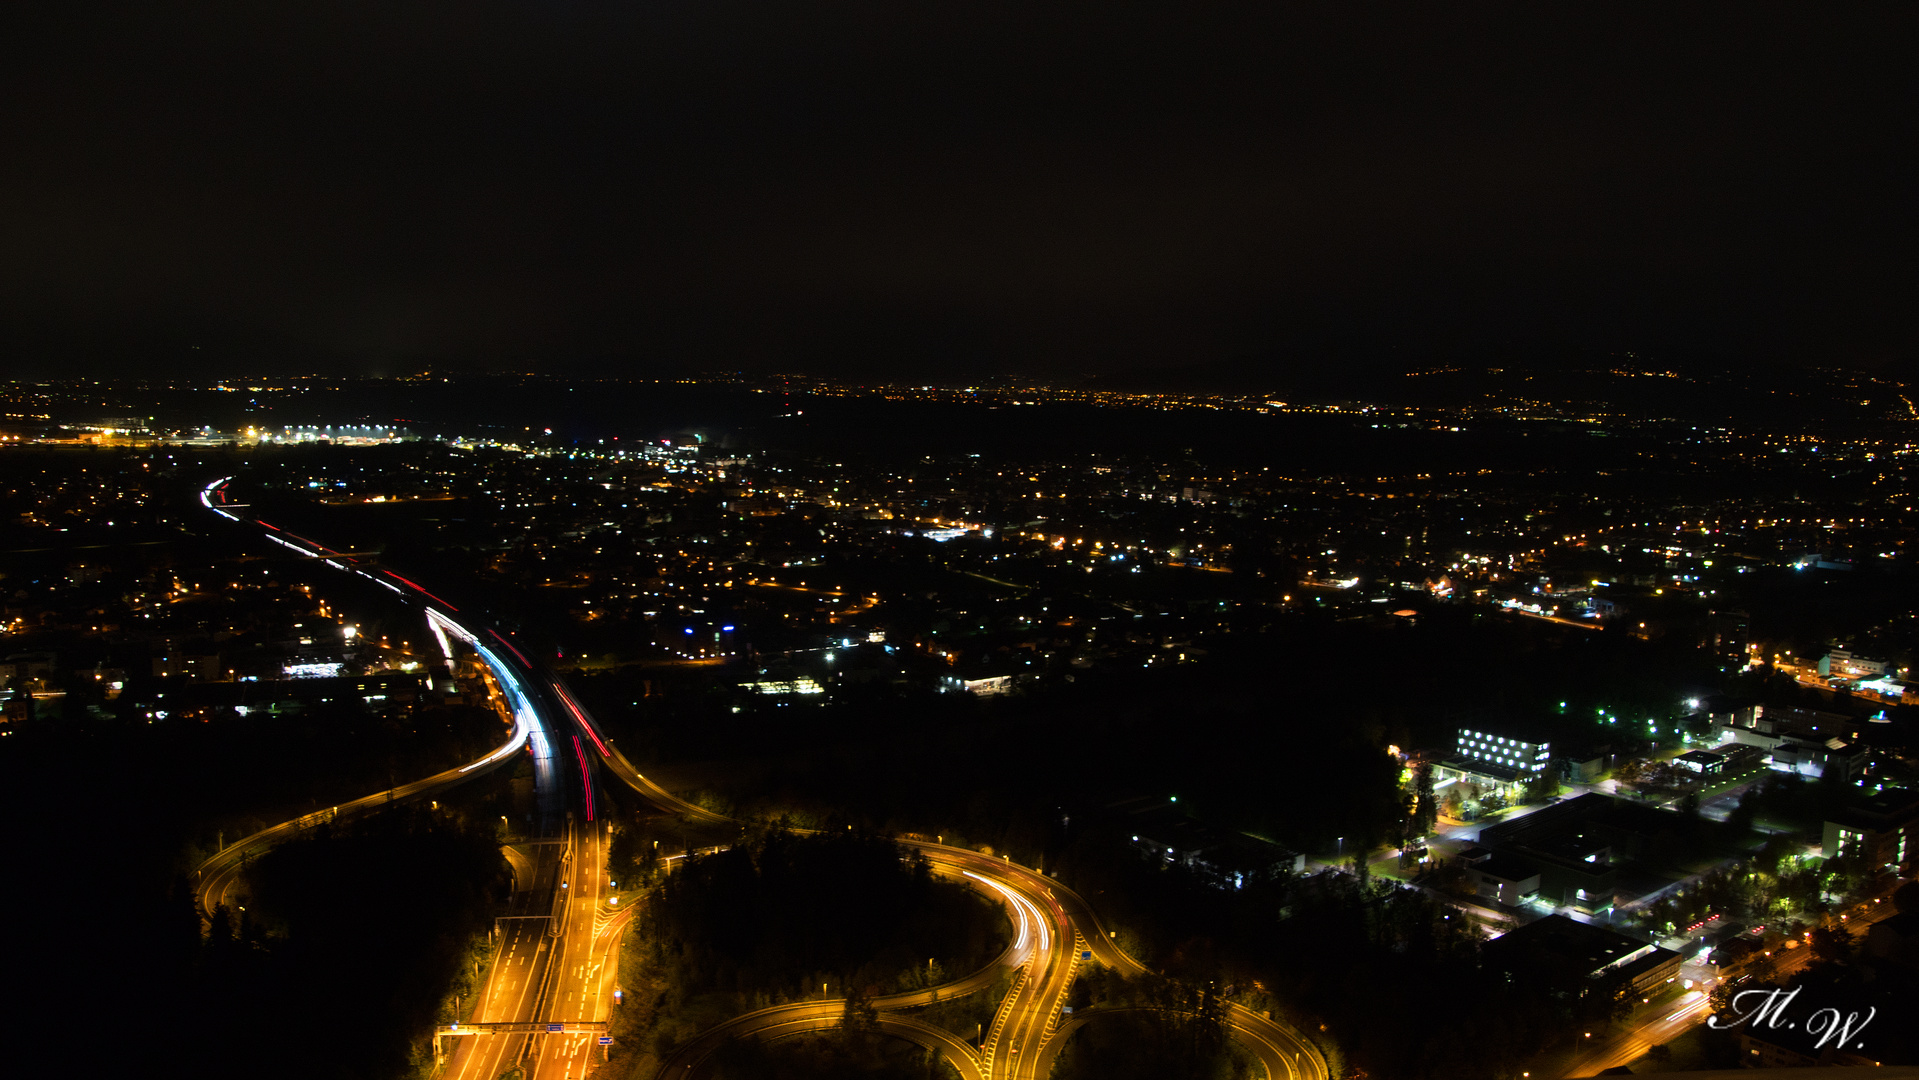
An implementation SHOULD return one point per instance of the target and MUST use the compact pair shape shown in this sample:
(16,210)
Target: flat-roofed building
(1593,951)
(1523,757)
(1885,826)
(1505,879)
(1581,845)
(1702,762)
(1496,761)
(1797,740)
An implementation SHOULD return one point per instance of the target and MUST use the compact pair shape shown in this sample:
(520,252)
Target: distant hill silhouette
(1317,377)
(1589,384)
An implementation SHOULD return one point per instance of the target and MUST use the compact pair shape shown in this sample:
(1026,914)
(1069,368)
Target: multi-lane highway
(556,950)
(552,963)
(220,873)
(553,966)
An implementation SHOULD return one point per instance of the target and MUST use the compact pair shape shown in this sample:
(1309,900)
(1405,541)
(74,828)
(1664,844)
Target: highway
(1668,1023)
(1053,930)
(554,948)
(554,964)
(219,874)
(556,952)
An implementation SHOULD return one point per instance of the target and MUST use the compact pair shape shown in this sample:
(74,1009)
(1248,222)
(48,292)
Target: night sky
(923,188)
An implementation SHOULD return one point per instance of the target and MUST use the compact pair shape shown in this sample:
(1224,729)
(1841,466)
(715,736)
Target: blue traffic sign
(1087,955)
(556,1027)
(606,1040)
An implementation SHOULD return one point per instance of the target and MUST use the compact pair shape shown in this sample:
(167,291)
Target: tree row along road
(556,951)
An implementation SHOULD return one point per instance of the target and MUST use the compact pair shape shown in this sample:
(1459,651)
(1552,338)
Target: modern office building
(1493,760)
(1796,740)
(1885,826)
(1703,762)
(1524,757)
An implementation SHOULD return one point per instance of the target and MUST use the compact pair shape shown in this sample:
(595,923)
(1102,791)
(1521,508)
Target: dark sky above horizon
(948,187)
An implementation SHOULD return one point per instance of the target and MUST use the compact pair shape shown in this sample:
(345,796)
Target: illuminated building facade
(1524,758)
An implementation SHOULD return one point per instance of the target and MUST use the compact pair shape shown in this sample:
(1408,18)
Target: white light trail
(1694,1007)
(525,723)
(1021,907)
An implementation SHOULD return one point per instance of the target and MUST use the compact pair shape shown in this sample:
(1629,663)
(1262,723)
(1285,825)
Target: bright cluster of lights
(802,685)
(1500,750)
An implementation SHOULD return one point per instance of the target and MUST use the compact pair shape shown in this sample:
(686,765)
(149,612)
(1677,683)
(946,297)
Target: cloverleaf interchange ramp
(548,994)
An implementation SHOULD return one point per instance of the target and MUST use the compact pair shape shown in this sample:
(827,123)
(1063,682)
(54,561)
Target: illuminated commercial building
(1885,827)
(1702,762)
(1493,761)
(1522,757)
(802,685)
(1796,740)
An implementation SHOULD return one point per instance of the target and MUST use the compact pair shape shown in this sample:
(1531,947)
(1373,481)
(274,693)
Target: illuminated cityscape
(845,541)
(1492,691)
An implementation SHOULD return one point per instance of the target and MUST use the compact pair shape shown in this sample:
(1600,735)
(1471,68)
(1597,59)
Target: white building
(1524,758)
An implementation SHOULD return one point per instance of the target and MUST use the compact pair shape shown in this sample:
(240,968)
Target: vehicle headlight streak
(433,623)
(1698,1001)
(206,498)
(1021,906)
(442,626)
(526,724)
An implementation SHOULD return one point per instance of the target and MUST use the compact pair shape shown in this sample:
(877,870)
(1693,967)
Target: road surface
(1054,929)
(1693,1007)
(556,952)
(554,949)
